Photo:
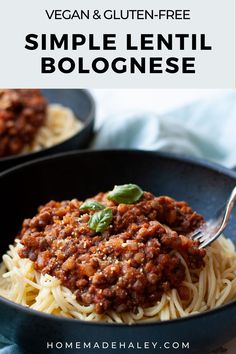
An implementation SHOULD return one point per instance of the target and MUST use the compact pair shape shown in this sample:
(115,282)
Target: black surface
(83,106)
(204,185)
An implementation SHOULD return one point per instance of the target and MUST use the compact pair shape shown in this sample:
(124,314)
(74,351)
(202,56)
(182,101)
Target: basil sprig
(92,205)
(100,220)
(126,194)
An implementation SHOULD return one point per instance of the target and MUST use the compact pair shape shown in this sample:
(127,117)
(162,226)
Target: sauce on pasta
(130,263)
(22,113)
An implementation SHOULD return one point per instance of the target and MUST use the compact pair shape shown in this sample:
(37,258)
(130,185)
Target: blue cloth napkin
(205,129)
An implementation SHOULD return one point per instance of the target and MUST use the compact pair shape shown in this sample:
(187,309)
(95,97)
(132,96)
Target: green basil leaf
(126,194)
(100,220)
(92,205)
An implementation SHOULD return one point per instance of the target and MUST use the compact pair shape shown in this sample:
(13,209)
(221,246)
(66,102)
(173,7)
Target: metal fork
(214,227)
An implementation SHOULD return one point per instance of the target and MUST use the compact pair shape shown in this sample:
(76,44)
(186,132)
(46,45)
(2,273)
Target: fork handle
(230,204)
(228,209)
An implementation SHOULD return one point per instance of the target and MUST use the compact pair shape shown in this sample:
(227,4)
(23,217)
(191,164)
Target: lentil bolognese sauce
(22,113)
(28,123)
(122,256)
(129,264)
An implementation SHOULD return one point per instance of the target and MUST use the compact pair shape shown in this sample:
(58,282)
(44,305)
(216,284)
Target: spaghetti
(60,124)
(28,123)
(122,257)
(210,287)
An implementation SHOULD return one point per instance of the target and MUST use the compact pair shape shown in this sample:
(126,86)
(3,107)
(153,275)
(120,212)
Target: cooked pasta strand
(209,287)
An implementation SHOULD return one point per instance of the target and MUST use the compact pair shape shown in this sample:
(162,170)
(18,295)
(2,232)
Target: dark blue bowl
(82,174)
(82,104)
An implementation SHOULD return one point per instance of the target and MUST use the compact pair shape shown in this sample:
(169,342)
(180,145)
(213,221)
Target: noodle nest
(209,287)
(59,126)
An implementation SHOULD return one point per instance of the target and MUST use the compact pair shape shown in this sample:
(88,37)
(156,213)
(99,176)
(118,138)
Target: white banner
(123,44)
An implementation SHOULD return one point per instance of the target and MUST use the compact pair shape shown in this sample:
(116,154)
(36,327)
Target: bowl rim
(165,155)
(36,154)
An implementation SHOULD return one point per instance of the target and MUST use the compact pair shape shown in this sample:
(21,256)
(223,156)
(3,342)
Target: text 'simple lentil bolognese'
(28,123)
(124,256)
